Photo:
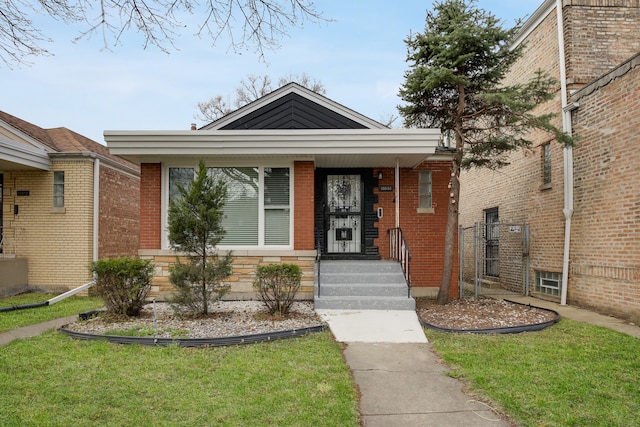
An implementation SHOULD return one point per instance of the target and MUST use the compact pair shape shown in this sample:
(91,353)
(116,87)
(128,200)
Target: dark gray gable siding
(293,111)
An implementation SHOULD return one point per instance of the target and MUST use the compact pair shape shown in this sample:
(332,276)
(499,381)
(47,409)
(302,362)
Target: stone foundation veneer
(245,263)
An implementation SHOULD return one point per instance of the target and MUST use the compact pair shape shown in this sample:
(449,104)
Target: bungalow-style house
(308,179)
(582,204)
(65,202)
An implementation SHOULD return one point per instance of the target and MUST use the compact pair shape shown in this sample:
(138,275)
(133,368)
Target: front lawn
(30,316)
(571,374)
(55,380)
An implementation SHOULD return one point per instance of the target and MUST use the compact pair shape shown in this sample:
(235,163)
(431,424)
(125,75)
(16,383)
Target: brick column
(303,221)
(150,198)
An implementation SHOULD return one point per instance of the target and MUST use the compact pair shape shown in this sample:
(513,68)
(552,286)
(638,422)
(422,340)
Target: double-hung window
(58,189)
(257,209)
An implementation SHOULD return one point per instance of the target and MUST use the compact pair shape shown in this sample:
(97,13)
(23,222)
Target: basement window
(548,283)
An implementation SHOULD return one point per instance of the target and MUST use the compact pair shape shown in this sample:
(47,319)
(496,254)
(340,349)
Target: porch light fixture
(380,175)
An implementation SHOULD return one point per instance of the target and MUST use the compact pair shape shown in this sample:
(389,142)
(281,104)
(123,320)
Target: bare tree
(249,24)
(251,88)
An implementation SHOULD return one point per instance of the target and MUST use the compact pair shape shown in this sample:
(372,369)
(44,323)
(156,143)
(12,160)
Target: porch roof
(18,156)
(326,147)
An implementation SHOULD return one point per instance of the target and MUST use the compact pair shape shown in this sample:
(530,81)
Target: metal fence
(494,259)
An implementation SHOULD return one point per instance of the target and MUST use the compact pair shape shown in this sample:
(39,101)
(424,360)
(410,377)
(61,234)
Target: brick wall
(605,248)
(599,34)
(58,243)
(303,189)
(119,228)
(424,232)
(150,197)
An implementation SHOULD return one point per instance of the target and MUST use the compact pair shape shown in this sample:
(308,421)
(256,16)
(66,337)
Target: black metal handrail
(318,258)
(399,251)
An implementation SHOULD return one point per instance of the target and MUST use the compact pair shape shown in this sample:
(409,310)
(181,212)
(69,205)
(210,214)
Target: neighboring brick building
(65,202)
(305,174)
(602,110)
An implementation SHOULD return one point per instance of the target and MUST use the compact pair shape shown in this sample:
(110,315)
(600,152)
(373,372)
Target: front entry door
(344,214)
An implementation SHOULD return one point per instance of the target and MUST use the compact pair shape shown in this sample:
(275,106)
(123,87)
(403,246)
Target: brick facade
(58,242)
(150,207)
(119,229)
(244,262)
(303,185)
(599,35)
(424,231)
(605,244)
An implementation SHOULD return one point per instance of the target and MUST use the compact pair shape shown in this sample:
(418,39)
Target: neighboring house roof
(51,142)
(293,123)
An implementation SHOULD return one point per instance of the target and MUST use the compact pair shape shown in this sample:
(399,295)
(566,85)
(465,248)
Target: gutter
(567,155)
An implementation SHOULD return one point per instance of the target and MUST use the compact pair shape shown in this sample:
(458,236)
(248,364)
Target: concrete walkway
(403,383)
(34,330)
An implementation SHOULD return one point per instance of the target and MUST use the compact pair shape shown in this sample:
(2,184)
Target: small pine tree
(195,228)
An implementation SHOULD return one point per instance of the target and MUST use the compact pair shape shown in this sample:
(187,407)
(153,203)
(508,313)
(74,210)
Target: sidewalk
(34,330)
(582,315)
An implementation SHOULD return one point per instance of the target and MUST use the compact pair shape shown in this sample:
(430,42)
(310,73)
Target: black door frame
(368,214)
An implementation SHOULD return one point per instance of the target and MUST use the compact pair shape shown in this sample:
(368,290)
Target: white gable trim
(17,155)
(305,93)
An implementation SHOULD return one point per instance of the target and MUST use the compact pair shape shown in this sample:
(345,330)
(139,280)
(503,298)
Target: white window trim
(164,201)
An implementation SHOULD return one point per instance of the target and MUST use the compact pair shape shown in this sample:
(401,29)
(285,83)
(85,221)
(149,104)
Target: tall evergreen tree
(195,228)
(455,82)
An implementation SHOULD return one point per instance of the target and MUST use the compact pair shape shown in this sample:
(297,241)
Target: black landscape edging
(506,330)
(24,306)
(196,342)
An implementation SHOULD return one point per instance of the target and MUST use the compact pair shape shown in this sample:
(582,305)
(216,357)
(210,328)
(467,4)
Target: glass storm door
(344,214)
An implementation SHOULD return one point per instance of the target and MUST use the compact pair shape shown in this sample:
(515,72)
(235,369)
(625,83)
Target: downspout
(567,156)
(96,206)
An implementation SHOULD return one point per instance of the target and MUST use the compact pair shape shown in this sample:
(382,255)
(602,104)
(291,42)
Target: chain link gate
(494,259)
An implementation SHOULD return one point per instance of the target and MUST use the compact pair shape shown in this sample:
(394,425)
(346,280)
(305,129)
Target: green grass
(571,374)
(30,316)
(55,380)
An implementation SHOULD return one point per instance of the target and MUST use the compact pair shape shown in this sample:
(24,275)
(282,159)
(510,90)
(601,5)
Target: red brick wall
(424,232)
(150,198)
(119,228)
(303,188)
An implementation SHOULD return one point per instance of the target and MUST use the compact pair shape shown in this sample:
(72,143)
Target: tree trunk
(454,202)
(450,234)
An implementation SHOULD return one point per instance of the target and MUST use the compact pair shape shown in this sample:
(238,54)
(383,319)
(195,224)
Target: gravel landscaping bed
(480,313)
(226,319)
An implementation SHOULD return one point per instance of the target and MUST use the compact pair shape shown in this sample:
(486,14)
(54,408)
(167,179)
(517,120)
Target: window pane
(276,227)
(276,186)
(182,176)
(58,189)
(424,190)
(546,163)
(240,220)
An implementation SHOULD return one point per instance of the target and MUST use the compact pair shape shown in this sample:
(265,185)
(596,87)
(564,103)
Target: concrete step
(362,285)
(364,303)
(363,289)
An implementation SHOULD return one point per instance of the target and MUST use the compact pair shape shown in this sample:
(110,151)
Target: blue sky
(359,57)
